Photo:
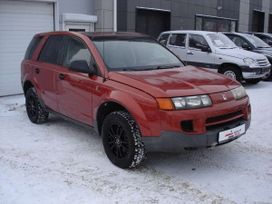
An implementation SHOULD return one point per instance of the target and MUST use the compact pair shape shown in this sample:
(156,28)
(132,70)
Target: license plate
(231,133)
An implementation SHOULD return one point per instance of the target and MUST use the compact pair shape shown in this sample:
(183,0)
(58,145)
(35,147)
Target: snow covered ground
(61,162)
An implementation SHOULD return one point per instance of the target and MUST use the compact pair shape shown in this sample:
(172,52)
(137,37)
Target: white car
(217,52)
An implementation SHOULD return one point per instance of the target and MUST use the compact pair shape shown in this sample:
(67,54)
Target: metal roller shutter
(19,21)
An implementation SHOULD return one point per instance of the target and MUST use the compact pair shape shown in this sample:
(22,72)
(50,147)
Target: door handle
(190,53)
(61,76)
(37,70)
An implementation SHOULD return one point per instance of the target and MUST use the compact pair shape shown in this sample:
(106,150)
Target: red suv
(135,92)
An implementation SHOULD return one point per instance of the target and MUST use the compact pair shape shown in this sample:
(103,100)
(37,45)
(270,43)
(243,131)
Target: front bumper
(176,141)
(255,73)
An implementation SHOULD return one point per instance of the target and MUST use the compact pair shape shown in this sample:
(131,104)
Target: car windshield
(221,41)
(257,42)
(136,54)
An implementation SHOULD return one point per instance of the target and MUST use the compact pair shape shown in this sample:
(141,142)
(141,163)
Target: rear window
(52,51)
(32,47)
(163,38)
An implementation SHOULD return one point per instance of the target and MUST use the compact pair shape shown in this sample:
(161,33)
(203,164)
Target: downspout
(115,15)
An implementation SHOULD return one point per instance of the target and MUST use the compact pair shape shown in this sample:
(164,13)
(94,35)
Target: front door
(196,55)
(75,89)
(177,44)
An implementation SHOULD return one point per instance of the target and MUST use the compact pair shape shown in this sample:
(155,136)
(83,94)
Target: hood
(183,81)
(266,51)
(239,53)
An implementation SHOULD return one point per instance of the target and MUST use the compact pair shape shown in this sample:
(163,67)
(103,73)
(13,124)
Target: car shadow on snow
(260,85)
(203,160)
(190,161)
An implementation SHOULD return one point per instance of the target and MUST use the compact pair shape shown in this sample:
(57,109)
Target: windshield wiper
(134,69)
(227,47)
(167,66)
(151,68)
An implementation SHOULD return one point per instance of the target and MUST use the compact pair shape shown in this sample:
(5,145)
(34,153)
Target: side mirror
(81,66)
(206,49)
(246,46)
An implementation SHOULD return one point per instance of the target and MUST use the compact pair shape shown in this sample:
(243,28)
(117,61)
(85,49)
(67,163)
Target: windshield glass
(135,54)
(221,41)
(257,42)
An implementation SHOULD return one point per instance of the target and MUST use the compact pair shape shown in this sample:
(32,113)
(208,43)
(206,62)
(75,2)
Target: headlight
(239,92)
(191,102)
(250,62)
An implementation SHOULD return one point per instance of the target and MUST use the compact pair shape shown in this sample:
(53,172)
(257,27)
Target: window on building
(270,24)
(214,23)
(178,40)
(257,21)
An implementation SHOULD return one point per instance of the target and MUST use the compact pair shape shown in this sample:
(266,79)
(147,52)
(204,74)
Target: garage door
(19,21)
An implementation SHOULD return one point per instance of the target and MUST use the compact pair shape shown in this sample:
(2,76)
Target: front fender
(143,109)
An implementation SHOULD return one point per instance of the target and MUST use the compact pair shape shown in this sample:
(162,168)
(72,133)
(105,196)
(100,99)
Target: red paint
(79,96)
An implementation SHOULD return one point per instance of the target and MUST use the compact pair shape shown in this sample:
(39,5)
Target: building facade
(154,16)
(21,19)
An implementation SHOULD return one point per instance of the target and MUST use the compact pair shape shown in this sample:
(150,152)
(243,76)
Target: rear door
(75,89)
(195,55)
(44,68)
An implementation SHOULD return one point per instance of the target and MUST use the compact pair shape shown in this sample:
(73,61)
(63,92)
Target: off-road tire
(233,70)
(36,112)
(122,140)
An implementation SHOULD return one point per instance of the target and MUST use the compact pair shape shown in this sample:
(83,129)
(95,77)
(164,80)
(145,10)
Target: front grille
(226,125)
(224,118)
(263,62)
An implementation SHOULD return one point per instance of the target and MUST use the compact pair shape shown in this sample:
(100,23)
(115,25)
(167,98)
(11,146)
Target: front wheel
(268,77)
(233,73)
(122,140)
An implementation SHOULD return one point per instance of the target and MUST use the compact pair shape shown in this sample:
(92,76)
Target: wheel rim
(31,107)
(118,141)
(230,74)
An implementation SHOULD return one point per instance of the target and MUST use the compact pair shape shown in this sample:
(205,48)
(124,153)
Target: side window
(52,51)
(240,42)
(178,40)
(265,39)
(32,47)
(163,38)
(197,41)
(76,51)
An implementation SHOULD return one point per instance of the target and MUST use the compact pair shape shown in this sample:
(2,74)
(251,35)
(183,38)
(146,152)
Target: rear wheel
(232,72)
(253,81)
(34,108)
(122,140)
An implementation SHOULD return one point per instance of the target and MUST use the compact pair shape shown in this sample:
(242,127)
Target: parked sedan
(252,43)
